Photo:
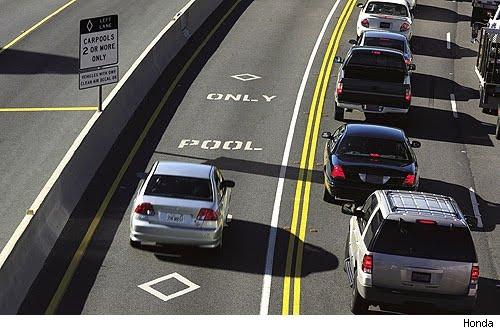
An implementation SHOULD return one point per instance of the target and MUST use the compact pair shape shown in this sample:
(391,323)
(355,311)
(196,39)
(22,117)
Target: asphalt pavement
(272,41)
(40,70)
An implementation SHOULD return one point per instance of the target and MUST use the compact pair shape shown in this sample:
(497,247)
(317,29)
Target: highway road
(39,69)
(287,46)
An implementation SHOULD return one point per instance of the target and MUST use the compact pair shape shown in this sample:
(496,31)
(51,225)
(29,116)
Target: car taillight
(208,215)
(367,264)
(340,88)
(408,95)
(404,27)
(474,274)
(426,222)
(338,172)
(145,209)
(375,155)
(409,180)
(365,23)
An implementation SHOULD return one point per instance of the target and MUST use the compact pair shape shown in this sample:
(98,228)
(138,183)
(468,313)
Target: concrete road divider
(25,253)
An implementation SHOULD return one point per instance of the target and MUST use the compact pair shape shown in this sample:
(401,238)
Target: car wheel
(497,134)
(135,244)
(327,197)
(486,110)
(338,113)
(358,304)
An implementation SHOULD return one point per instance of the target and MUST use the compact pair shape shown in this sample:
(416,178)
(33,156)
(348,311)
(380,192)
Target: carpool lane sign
(98,41)
(99,77)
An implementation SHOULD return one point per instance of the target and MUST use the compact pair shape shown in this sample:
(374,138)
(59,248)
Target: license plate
(420,277)
(375,179)
(171,217)
(385,25)
(372,108)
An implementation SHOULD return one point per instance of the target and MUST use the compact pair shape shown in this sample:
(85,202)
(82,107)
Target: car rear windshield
(386,8)
(362,146)
(375,65)
(429,241)
(385,42)
(179,187)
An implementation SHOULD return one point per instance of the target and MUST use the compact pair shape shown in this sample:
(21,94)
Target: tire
(327,197)
(486,110)
(358,304)
(497,133)
(338,113)
(135,244)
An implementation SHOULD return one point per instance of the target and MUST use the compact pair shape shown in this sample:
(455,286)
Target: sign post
(98,50)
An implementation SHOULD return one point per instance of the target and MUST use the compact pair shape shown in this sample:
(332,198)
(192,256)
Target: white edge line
(266,283)
(448,40)
(475,207)
(76,143)
(453,105)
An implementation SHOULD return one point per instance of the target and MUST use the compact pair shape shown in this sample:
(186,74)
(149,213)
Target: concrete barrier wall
(24,255)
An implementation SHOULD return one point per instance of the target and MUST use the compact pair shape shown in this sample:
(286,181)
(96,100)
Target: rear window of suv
(428,241)
(179,187)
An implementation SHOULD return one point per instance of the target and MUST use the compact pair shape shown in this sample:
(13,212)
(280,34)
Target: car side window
(373,227)
(368,208)
(336,137)
(218,180)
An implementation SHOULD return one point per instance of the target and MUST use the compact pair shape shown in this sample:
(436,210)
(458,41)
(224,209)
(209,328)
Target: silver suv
(410,248)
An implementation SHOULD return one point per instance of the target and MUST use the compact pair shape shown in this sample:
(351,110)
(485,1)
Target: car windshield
(385,42)
(386,8)
(429,241)
(361,146)
(179,187)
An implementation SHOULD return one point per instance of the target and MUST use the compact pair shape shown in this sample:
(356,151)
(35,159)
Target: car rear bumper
(385,109)
(144,231)
(383,296)
(356,192)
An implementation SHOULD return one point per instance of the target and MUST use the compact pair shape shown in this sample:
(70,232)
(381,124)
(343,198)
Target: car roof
(412,206)
(192,170)
(384,34)
(401,2)
(371,130)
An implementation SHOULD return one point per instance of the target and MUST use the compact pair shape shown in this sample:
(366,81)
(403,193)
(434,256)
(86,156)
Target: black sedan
(362,158)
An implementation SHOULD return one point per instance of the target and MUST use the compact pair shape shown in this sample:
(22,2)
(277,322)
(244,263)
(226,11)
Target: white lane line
(475,207)
(448,40)
(453,105)
(268,271)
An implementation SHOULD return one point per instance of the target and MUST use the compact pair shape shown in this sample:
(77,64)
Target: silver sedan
(181,203)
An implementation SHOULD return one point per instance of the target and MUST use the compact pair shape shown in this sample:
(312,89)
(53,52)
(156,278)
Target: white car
(387,15)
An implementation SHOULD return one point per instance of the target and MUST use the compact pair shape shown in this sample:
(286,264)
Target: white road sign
(99,77)
(98,41)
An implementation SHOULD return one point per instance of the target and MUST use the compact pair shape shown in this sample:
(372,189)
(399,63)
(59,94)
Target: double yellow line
(301,206)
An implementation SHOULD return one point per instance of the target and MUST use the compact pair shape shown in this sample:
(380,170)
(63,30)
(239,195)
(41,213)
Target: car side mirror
(338,59)
(412,67)
(415,144)
(227,184)
(141,175)
(351,209)
(360,5)
(353,41)
(471,221)
(326,135)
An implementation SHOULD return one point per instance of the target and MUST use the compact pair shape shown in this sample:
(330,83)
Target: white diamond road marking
(148,287)
(246,77)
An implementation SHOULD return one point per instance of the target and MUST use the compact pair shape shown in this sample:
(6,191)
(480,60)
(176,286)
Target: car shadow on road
(434,87)
(439,14)
(440,125)
(427,46)
(23,62)
(490,211)
(244,250)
